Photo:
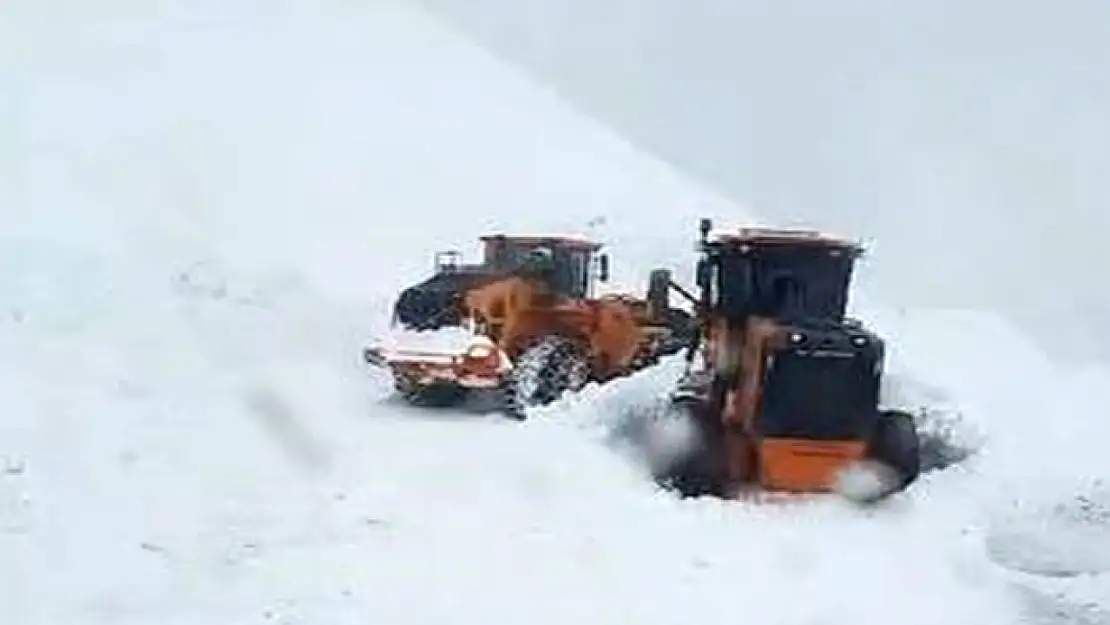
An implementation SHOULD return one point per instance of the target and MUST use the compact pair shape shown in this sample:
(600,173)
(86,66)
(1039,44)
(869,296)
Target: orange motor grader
(524,324)
(782,387)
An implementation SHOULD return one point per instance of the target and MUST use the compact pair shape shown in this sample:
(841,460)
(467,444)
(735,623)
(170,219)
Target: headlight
(479,352)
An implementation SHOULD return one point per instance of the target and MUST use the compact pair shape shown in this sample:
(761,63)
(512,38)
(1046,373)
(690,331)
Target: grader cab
(783,387)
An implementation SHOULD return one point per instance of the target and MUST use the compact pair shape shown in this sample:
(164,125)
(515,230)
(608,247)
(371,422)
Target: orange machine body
(755,459)
(515,311)
(754,454)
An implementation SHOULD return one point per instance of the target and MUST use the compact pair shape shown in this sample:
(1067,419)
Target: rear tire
(542,374)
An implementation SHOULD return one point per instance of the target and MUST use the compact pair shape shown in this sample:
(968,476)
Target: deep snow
(207,209)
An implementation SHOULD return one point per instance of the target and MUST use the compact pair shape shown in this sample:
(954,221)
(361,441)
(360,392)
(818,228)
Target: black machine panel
(823,385)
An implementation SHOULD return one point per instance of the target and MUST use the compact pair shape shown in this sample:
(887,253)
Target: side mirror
(704,274)
(603,268)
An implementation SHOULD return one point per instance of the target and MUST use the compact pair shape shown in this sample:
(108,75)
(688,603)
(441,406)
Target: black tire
(542,374)
(897,445)
(700,471)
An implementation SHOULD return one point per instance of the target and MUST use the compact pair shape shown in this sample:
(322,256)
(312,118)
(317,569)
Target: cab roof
(776,237)
(571,242)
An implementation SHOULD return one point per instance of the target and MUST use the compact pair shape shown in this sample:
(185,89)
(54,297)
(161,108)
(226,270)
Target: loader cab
(573,260)
(779,274)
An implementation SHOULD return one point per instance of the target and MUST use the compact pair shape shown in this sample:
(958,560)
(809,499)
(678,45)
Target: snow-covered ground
(207,208)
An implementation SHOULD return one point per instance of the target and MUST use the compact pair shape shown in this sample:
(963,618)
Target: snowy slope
(921,125)
(207,208)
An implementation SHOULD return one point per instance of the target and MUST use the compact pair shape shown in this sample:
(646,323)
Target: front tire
(542,374)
